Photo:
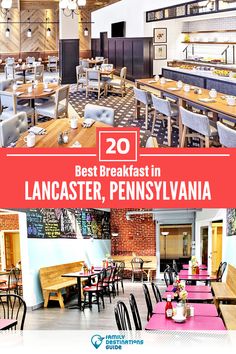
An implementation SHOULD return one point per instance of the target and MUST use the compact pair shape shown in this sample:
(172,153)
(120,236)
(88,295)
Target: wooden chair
(227,135)
(137,268)
(80,76)
(119,277)
(118,85)
(94,83)
(143,97)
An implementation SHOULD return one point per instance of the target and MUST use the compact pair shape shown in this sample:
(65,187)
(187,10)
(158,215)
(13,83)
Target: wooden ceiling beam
(53,4)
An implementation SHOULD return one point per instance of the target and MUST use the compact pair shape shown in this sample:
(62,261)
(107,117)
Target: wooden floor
(54,318)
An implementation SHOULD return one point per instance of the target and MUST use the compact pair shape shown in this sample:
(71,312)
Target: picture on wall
(231,222)
(160,35)
(160,52)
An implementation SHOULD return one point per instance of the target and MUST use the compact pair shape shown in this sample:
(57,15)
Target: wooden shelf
(216,31)
(226,43)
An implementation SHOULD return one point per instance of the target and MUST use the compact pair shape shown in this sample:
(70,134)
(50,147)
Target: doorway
(10,255)
(104,44)
(204,245)
(217,240)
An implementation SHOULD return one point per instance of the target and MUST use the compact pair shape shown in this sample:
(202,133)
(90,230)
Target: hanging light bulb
(29,31)
(86,32)
(81,2)
(48,32)
(7,32)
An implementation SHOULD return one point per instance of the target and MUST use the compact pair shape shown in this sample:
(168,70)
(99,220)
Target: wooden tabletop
(219,106)
(23,67)
(107,72)
(85,136)
(37,92)
(7,324)
(229,316)
(80,274)
(199,309)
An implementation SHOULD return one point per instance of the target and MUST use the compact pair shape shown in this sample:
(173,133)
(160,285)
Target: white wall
(38,253)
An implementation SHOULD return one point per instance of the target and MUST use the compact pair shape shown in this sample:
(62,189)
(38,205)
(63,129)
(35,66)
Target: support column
(68,47)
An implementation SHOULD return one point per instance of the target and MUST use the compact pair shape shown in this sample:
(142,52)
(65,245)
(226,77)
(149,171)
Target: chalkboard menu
(68,223)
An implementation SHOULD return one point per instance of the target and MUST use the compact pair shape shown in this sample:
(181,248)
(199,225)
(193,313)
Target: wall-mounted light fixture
(7,32)
(48,30)
(86,32)
(29,31)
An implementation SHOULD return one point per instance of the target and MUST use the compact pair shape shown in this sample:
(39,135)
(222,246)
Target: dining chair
(220,271)
(109,281)
(11,283)
(156,292)
(118,85)
(9,70)
(30,60)
(169,275)
(85,64)
(9,106)
(135,313)
(120,276)
(143,97)
(165,111)
(97,289)
(151,142)
(109,68)
(99,58)
(148,302)
(227,135)
(137,268)
(122,317)
(174,266)
(52,63)
(100,113)
(11,128)
(200,125)
(55,109)
(94,83)
(80,76)
(13,307)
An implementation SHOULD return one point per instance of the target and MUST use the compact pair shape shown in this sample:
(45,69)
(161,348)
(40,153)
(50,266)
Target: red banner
(117,174)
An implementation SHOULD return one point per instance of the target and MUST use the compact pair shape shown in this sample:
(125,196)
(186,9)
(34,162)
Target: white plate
(179,319)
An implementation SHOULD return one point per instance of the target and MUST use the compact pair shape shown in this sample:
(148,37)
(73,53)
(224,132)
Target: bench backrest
(53,275)
(128,259)
(231,278)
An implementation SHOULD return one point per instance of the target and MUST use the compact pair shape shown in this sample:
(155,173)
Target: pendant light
(48,30)
(86,32)
(29,31)
(5,7)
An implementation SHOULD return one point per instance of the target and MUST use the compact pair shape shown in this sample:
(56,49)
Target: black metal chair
(148,302)
(11,284)
(13,307)
(96,289)
(175,267)
(221,270)
(120,276)
(156,292)
(137,268)
(122,317)
(135,313)
(169,276)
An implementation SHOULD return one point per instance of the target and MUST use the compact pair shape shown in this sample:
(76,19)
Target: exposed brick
(9,222)
(136,235)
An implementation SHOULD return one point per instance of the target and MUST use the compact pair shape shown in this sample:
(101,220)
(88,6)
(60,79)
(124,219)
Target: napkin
(152,82)
(207,100)
(88,122)
(174,89)
(37,130)
(47,90)
(76,145)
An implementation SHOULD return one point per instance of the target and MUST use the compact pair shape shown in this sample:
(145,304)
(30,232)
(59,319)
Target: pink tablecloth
(197,277)
(186,266)
(196,323)
(193,288)
(201,297)
(201,272)
(199,309)
(7,324)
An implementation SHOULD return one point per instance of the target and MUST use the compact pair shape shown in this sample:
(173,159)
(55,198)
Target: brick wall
(9,222)
(136,235)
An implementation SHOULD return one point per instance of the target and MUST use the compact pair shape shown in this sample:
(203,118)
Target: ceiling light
(71,7)
(6,5)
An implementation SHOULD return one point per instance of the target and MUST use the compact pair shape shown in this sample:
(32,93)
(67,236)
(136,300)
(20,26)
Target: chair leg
(183,137)
(97,296)
(169,131)
(146,117)
(207,142)
(46,298)
(154,121)
(122,285)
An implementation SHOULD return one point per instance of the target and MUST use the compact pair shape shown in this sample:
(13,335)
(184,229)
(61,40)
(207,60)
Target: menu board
(68,223)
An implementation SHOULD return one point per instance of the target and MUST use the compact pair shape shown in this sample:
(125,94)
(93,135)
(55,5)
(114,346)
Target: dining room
(170,72)
(99,262)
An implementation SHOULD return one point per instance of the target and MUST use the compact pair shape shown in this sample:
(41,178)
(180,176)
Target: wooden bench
(52,282)
(149,267)
(226,291)
(228,313)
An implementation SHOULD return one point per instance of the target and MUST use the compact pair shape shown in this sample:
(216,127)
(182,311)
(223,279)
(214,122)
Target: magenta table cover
(186,266)
(192,296)
(197,277)
(199,309)
(201,272)
(193,288)
(196,323)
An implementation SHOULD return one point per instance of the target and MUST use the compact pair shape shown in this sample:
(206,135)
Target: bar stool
(169,112)
(227,135)
(145,98)
(201,126)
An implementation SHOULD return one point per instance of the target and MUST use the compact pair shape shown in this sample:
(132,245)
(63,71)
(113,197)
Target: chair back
(11,128)
(4,84)
(38,72)
(167,277)
(221,270)
(79,71)
(92,75)
(99,58)
(156,292)
(8,100)
(197,122)
(9,70)
(151,142)
(148,302)
(121,269)
(52,59)
(175,267)
(141,96)
(161,105)
(10,61)
(227,135)
(123,73)
(107,67)
(137,264)
(100,113)
(30,60)
(13,307)
(62,94)
(122,317)
(84,63)
(135,313)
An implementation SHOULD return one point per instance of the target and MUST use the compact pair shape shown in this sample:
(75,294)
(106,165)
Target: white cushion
(95,84)
(7,113)
(115,82)
(48,109)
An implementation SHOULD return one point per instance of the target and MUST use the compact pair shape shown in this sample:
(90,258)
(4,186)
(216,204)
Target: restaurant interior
(70,65)
(125,269)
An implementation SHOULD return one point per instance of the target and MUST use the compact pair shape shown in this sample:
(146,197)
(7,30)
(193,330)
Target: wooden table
(228,313)
(79,276)
(193,288)
(223,293)
(218,107)
(192,297)
(199,309)
(196,323)
(93,62)
(23,68)
(7,324)
(86,136)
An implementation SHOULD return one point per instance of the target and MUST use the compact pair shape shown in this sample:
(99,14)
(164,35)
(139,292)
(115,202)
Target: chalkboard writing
(68,223)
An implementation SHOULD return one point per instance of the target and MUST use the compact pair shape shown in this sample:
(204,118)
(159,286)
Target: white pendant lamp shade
(63,4)
(7,33)
(86,32)
(29,33)
(6,4)
(81,2)
(48,32)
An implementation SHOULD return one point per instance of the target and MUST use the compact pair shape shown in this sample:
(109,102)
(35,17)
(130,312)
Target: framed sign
(160,35)
(231,222)
(160,52)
